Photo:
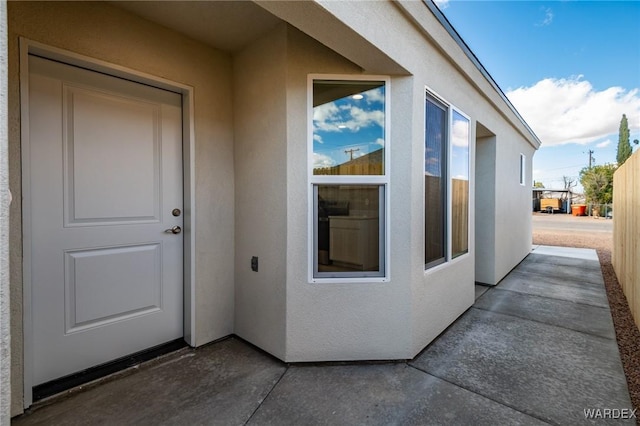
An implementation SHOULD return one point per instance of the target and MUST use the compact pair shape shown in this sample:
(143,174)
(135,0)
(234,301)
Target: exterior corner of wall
(5,297)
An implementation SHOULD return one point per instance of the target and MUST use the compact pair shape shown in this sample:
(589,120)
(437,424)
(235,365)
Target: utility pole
(591,159)
(351,151)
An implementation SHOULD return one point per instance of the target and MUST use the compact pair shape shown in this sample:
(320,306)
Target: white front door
(105,170)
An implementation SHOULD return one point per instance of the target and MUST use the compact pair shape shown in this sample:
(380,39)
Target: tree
(597,182)
(538,184)
(569,182)
(624,147)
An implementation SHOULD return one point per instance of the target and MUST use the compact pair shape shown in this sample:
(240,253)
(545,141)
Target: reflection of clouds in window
(349,127)
(460,147)
(332,118)
(349,113)
(460,131)
(374,95)
(432,166)
(325,112)
(321,160)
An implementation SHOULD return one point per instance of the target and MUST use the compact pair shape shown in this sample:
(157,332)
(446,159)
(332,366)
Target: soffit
(224,25)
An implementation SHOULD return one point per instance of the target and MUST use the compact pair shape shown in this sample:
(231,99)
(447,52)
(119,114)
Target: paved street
(567,222)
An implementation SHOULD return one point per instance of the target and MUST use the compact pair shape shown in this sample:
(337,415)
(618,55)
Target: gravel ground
(627,333)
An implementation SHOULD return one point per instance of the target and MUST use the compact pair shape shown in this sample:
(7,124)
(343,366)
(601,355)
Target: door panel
(111,284)
(105,171)
(99,129)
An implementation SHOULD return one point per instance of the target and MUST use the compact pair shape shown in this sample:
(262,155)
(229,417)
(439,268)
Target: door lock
(176,212)
(175,230)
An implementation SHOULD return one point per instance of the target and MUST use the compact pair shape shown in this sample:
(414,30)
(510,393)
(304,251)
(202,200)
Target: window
(459,185)
(348,178)
(446,182)
(435,186)
(522,164)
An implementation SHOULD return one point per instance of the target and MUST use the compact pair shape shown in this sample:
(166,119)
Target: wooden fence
(626,231)
(459,217)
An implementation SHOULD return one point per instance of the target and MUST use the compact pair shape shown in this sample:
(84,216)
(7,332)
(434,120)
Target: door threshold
(62,384)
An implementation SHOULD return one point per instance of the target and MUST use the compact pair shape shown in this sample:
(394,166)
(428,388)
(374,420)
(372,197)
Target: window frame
(523,165)
(314,181)
(448,257)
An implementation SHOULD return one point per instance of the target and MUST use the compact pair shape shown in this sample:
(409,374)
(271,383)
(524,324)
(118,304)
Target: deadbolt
(174,230)
(176,212)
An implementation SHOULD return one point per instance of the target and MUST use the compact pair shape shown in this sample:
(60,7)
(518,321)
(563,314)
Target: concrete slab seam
(545,323)
(286,370)
(479,394)
(550,298)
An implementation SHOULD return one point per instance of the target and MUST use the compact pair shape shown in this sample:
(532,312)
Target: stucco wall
(485,199)
(338,321)
(441,294)
(329,321)
(505,204)
(261,187)
(437,296)
(5,331)
(513,204)
(110,34)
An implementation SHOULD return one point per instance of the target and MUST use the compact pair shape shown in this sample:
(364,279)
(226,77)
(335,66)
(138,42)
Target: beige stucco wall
(485,200)
(261,186)
(439,295)
(339,321)
(104,32)
(513,203)
(5,330)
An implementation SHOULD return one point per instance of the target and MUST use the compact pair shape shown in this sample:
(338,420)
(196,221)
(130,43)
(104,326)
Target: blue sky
(348,128)
(571,68)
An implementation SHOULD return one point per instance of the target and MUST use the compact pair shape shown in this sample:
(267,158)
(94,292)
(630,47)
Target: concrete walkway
(539,348)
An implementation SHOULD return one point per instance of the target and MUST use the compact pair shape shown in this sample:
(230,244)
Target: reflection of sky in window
(435,131)
(460,147)
(354,124)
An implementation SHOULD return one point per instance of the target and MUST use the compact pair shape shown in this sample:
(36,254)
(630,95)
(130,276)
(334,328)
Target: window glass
(348,127)
(435,176)
(348,230)
(459,185)
(522,164)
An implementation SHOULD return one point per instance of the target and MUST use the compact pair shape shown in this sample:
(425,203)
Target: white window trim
(449,260)
(383,180)
(453,108)
(523,165)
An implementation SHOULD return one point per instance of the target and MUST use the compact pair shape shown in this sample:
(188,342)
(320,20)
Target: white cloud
(328,118)
(548,17)
(604,144)
(460,133)
(379,141)
(562,111)
(374,95)
(362,118)
(318,138)
(325,112)
(321,160)
(442,4)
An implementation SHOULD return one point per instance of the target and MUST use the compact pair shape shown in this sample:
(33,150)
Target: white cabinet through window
(354,240)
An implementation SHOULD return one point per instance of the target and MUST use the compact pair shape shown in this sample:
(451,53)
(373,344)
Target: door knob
(174,230)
